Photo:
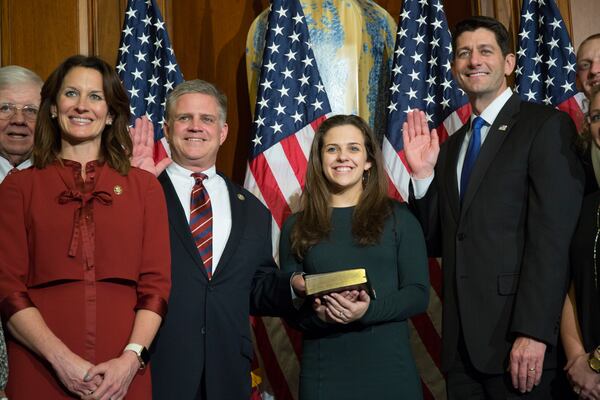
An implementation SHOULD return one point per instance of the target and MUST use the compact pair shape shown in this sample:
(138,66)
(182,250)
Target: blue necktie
(472,153)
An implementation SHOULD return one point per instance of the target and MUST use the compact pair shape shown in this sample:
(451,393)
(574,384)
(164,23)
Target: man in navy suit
(204,348)
(499,201)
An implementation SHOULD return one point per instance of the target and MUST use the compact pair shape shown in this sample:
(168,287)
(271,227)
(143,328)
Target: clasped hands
(585,381)
(343,307)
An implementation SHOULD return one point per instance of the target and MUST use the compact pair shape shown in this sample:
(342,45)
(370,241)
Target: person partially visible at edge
(84,272)
(221,255)
(19,104)
(588,77)
(355,346)
(499,202)
(580,324)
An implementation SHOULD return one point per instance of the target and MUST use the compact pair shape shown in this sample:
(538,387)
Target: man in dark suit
(204,348)
(500,201)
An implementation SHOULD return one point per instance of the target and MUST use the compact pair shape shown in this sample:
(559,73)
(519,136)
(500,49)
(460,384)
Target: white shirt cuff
(420,186)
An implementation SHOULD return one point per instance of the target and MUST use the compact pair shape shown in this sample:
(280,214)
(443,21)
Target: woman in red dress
(84,265)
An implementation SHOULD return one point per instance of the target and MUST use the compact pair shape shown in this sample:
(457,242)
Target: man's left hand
(526,363)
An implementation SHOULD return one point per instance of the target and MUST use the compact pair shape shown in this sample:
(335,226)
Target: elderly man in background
(19,102)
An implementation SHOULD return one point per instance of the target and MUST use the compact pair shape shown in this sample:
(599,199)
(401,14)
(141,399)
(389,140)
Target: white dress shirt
(6,166)
(489,115)
(219,200)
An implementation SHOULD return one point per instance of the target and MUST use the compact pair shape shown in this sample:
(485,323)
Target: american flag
(147,66)
(546,61)
(422,79)
(291,103)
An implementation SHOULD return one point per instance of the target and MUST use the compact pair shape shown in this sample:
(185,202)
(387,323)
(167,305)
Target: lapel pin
(118,190)
(502,127)
(241,197)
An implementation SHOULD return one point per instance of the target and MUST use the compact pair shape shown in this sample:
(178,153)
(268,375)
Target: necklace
(596,246)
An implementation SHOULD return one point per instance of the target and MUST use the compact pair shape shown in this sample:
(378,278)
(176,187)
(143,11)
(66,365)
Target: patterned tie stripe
(201,221)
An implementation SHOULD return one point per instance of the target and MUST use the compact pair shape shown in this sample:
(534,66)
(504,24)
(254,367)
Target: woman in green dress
(355,347)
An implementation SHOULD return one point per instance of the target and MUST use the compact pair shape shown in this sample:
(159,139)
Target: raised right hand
(421,147)
(142,136)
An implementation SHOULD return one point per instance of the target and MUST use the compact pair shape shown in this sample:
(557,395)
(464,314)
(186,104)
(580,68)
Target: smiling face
(195,131)
(81,108)
(594,117)
(480,68)
(16,133)
(588,66)
(344,160)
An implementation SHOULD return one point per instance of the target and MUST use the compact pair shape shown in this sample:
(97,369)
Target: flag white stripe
(282,172)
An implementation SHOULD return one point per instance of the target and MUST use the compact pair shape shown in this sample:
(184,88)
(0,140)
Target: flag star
(128,31)
(541,21)
(431,80)
(280,109)
(416,57)
(534,77)
(270,66)
(147,21)
(121,66)
(320,87)
(449,47)
(519,70)
(263,102)
(395,88)
(317,105)
(399,51)
(156,62)
(159,25)
(540,39)
(144,38)
(414,76)
(124,48)
(307,61)
(419,38)
(445,103)
(548,100)
(153,81)
(298,18)
(162,122)
(131,13)
(276,127)
(158,43)
(422,20)
(278,30)
(283,91)
(447,65)
(530,95)
(168,85)
(149,116)
(171,67)
(266,84)
(553,43)
(428,117)
(429,99)
(412,94)
(555,24)
(140,56)
(437,24)
(257,141)
(282,12)
(408,109)
(392,107)
(274,48)
(300,98)
(528,16)
(260,121)
(568,87)
(291,55)
(423,2)
(432,61)
(435,42)
(297,116)
(295,37)
(303,80)
(521,52)
(397,69)
(150,99)
(286,73)
(551,62)
(570,48)
(405,14)
(438,7)
(137,74)
(569,67)
(447,84)
(133,92)
(541,2)
(549,81)
(537,58)
(132,108)
(524,34)
(401,32)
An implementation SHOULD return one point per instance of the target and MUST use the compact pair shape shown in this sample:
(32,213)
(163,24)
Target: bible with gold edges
(349,279)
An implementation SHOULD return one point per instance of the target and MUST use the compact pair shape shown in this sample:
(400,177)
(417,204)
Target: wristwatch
(140,351)
(594,360)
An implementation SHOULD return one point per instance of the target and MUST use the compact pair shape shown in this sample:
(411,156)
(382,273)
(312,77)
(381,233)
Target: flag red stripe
(269,189)
(571,107)
(295,156)
(429,336)
(435,276)
(427,395)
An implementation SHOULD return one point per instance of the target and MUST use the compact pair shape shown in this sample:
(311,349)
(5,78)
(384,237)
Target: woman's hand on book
(344,309)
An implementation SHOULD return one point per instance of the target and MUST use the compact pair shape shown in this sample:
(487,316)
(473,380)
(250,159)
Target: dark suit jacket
(206,330)
(505,250)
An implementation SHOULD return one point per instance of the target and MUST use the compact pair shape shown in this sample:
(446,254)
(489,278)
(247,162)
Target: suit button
(203,331)
(461,236)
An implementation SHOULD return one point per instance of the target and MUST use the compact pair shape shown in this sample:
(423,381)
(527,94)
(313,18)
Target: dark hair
(314,219)
(115,147)
(473,23)
(584,141)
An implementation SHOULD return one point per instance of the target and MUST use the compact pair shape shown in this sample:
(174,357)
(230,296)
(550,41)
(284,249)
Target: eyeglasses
(8,110)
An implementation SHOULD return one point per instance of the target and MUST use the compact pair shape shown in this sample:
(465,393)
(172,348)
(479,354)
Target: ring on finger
(341,314)
(576,389)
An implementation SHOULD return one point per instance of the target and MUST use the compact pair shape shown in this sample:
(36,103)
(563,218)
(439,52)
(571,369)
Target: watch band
(140,351)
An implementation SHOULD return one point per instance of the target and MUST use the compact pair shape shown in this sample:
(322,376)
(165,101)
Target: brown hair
(585,139)
(314,221)
(115,147)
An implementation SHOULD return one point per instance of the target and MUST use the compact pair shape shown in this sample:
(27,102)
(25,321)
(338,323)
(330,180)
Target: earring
(53,115)
(109,122)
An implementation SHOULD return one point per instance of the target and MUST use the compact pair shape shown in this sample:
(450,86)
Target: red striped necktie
(201,221)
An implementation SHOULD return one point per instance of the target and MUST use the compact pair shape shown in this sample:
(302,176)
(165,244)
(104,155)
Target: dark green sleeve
(412,295)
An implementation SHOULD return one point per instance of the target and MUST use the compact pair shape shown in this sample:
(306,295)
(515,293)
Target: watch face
(594,364)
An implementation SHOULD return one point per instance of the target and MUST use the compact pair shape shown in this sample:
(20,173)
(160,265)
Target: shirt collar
(181,172)
(493,109)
